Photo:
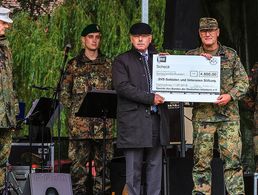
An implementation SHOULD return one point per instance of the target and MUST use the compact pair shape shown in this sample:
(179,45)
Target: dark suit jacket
(134,121)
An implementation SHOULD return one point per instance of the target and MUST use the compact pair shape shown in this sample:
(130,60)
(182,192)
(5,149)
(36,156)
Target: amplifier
(26,154)
(251,183)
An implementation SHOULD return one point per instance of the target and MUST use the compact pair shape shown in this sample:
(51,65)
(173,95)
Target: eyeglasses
(209,31)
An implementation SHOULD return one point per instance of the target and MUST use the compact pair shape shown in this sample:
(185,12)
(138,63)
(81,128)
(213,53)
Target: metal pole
(145,11)
(182,124)
(247,62)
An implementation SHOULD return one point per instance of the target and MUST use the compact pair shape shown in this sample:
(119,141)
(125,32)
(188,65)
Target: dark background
(238,22)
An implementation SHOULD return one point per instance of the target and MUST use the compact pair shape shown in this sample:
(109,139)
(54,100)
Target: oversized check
(186,78)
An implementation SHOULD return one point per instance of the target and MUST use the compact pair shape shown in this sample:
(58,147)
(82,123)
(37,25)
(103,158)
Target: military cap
(4,15)
(140,28)
(91,28)
(208,23)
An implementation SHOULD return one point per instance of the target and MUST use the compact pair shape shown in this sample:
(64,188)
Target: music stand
(42,114)
(99,104)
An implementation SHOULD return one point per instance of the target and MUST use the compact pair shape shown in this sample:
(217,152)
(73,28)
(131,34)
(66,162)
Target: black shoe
(199,193)
(3,192)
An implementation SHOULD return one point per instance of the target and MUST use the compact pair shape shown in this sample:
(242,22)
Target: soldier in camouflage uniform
(88,70)
(8,102)
(251,102)
(221,117)
(247,125)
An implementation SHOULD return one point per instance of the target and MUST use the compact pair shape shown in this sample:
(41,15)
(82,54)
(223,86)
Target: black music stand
(99,104)
(42,115)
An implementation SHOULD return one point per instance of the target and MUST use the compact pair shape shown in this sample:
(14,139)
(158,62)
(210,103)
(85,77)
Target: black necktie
(145,58)
(154,108)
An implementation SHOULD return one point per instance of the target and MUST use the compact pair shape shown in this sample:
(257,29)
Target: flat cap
(140,29)
(91,28)
(4,15)
(208,23)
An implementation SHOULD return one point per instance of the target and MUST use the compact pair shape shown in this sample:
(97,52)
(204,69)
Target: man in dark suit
(142,119)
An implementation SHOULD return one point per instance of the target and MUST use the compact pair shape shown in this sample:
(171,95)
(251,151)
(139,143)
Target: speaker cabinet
(24,154)
(251,183)
(175,124)
(41,183)
(117,175)
(180,176)
(179,172)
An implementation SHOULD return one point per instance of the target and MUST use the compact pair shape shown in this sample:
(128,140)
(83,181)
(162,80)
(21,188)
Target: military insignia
(213,61)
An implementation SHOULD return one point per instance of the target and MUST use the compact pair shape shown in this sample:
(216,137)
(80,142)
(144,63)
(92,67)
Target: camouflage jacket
(82,74)
(8,101)
(234,81)
(250,101)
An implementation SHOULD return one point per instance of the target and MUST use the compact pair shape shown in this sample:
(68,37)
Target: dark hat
(208,23)
(140,28)
(91,28)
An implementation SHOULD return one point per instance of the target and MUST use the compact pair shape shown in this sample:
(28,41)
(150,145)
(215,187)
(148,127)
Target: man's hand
(158,99)
(223,99)
(206,55)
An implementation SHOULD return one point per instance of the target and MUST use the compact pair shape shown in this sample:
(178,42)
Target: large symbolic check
(185,78)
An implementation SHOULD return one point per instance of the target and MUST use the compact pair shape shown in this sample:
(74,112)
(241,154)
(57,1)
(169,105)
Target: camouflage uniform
(251,102)
(246,108)
(8,105)
(209,118)
(86,133)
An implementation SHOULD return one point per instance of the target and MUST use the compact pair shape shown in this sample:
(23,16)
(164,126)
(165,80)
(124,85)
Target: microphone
(38,87)
(67,48)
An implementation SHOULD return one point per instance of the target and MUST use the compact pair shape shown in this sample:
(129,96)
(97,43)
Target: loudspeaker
(180,176)
(175,123)
(24,154)
(181,24)
(251,183)
(117,175)
(53,183)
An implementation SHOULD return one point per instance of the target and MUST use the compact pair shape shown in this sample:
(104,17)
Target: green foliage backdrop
(38,42)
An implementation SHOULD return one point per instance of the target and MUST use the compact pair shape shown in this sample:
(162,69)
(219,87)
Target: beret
(91,28)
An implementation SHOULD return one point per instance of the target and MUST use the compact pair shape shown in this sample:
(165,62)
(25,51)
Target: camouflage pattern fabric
(5,148)
(234,81)
(247,130)
(8,101)
(246,108)
(209,118)
(230,152)
(251,103)
(82,75)
(8,105)
(81,152)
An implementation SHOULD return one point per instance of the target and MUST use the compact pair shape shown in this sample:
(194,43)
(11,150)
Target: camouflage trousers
(247,132)
(81,152)
(230,146)
(5,148)
(256,151)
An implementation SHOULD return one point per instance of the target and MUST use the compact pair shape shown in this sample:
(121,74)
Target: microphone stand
(56,98)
